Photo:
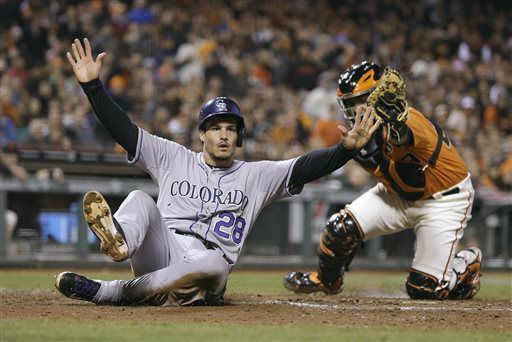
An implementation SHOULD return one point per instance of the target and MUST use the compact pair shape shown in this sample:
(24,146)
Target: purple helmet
(223,106)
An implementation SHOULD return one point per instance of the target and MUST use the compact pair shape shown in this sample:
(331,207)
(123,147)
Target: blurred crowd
(279,59)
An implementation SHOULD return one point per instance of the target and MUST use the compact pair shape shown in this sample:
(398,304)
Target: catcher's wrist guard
(370,155)
(399,134)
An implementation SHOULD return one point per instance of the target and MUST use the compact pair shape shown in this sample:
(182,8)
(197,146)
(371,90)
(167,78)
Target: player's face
(219,141)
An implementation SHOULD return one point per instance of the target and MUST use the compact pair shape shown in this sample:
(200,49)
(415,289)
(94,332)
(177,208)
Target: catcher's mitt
(388,98)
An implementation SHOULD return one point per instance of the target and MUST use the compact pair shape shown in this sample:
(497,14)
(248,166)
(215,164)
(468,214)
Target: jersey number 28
(233,227)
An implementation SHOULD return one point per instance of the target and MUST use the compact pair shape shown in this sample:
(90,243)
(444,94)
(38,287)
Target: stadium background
(280,60)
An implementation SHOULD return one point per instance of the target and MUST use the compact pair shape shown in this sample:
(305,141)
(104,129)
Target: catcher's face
(219,141)
(350,105)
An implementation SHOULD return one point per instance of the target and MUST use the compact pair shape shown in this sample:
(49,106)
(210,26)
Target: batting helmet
(223,106)
(354,86)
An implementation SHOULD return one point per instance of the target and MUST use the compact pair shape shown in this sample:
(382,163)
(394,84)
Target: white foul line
(381,307)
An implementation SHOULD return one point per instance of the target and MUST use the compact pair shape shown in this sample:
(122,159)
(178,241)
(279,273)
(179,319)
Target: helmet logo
(367,81)
(221,105)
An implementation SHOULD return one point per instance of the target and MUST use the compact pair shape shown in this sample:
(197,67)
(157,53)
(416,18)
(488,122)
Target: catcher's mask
(354,86)
(226,107)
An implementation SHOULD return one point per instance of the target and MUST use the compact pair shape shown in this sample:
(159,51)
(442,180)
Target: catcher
(423,185)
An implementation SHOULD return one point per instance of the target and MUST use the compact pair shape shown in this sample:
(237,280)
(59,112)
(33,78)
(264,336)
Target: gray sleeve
(273,178)
(155,154)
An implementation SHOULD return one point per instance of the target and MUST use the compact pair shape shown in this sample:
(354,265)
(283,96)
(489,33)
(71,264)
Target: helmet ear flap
(241,136)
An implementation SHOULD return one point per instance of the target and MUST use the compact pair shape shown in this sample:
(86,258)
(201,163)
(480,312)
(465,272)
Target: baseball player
(423,185)
(182,248)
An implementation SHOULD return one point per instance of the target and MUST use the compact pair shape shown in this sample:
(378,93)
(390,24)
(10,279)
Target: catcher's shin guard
(466,267)
(420,285)
(99,217)
(336,250)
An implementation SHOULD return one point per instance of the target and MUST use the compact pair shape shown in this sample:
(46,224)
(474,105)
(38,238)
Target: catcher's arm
(390,105)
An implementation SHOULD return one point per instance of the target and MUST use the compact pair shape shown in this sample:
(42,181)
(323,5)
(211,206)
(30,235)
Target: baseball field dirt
(257,308)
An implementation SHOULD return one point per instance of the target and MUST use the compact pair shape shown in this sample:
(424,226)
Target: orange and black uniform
(448,170)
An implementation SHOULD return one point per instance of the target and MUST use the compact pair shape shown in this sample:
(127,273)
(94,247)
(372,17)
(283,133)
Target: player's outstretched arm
(114,119)
(322,162)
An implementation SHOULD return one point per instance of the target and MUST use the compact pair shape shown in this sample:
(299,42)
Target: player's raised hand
(363,129)
(84,66)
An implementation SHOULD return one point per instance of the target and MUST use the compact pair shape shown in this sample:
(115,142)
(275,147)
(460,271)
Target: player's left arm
(114,119)
(320,163)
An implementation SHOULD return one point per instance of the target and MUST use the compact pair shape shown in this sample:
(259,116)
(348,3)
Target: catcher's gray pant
(170,269)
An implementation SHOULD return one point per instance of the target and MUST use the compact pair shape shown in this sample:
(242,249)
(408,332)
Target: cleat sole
(97,214)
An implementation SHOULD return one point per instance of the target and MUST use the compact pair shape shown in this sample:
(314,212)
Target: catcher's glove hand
(388,98)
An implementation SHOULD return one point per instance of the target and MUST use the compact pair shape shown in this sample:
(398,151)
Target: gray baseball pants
(169,268)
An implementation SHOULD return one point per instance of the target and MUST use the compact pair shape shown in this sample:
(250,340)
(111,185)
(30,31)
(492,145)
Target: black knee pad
(340,236)
(420,285)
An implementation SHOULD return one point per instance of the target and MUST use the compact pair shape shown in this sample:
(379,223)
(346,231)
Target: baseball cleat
(76,286)
(468,282)
(309,282)
(99,218)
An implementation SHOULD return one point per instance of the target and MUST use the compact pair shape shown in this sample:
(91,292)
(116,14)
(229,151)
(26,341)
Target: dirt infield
(319,310)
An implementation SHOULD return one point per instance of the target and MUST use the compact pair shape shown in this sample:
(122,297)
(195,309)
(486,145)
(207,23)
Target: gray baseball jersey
(219,205)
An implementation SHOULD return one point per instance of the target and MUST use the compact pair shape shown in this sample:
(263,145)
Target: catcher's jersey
(449,169)
(218,205)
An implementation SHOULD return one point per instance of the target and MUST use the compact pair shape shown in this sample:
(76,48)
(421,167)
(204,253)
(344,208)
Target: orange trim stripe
(367,81)
(357,223)
(457,233)
(421,288)
(324,248)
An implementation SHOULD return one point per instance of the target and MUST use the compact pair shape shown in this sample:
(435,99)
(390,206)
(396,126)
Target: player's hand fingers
(100,57)
(357,122)
(365,121)
(75,52)
(374,127)
(80,48)
(376,124)
(70,59)
(88,50)
(343,130)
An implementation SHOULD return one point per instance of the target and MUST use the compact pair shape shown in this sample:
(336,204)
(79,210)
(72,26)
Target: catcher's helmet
(223,106)
(354,86)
